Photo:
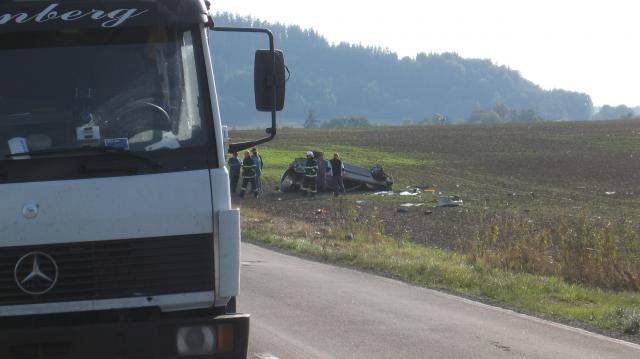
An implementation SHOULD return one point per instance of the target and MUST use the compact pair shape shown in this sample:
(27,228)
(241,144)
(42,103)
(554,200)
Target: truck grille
(115,269)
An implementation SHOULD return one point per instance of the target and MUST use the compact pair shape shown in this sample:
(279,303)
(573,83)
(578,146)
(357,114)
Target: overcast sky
(587,46)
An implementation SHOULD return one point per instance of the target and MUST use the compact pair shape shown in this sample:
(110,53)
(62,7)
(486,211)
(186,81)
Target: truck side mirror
(269,80)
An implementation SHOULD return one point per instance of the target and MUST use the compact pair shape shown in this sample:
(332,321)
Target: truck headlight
(196,340)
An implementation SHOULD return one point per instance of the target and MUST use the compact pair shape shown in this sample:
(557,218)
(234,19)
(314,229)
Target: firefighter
(257,159)
(321,179)
(337,171)
(310,175)
(248,175)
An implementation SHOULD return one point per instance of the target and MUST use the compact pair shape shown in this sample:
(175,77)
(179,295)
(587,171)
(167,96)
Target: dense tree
(501,113)
(347,122)
(485,116)
(613,113)
(345,80)
(312,119)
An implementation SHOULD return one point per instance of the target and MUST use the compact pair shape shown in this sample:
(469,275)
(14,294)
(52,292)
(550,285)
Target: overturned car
(354,178)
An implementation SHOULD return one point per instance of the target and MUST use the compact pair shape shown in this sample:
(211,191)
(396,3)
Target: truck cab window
(137,88)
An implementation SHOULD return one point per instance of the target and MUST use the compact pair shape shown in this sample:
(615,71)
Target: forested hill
(351,80)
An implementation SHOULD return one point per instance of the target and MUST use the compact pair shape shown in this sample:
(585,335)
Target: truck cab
(117,234)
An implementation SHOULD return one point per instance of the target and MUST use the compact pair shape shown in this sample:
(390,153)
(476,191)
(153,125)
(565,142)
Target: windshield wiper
(88,151)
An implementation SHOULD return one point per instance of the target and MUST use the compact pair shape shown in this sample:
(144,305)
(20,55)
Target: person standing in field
(248,175)
(234,171)
(309,185)
(337,171)
(320,178)
(257,159)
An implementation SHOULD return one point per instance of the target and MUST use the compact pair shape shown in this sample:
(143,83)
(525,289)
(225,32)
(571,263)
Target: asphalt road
(304,309)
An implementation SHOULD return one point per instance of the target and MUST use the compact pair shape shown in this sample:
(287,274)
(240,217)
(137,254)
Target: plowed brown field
(535,172)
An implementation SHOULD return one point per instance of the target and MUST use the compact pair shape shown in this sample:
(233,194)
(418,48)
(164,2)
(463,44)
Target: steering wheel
(153,125)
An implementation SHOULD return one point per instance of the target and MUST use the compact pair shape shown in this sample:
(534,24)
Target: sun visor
(20,16)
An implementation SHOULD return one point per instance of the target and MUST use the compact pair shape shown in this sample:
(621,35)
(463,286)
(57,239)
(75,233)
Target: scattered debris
(321,211)
(609,193)
(384,193)
(403,210)
(359,201)
(411,204)
(348,237)
(428,212)
(407,193)
(449,201)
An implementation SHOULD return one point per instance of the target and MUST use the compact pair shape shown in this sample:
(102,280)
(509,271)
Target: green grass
(443,269)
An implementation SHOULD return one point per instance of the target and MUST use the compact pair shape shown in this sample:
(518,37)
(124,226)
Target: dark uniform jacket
(248,168)
(311,168)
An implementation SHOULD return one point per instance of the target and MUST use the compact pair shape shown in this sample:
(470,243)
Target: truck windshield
(138,89)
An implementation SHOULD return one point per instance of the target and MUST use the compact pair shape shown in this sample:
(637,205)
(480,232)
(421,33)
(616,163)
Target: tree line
(340,81)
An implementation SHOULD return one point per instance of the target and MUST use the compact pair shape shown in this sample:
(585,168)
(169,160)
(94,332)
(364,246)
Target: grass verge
(444,269)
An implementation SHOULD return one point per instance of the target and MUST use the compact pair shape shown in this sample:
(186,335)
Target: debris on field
(359,201)
(321,211)
(407,193)
(449,201)
(348,237)
(609,193)
(403,210)
(412,192)
(428,212)
(411,204)
(384,193)
(359,206)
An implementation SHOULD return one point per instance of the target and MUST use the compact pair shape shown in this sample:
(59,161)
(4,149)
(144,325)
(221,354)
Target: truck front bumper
(223,336)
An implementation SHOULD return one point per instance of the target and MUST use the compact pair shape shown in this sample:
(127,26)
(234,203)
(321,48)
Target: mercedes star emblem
(30,210)
(36,273)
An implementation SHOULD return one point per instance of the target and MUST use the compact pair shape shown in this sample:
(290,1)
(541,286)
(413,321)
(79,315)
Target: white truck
(117,234)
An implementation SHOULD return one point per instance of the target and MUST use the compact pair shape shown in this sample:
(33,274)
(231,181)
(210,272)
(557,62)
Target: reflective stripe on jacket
(311,168)
(248,168)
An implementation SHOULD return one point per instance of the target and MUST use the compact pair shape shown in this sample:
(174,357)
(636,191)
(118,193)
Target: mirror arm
(239,146)
(235,147)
